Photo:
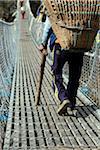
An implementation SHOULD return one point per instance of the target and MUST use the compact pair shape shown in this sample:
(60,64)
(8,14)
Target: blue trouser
(75,61)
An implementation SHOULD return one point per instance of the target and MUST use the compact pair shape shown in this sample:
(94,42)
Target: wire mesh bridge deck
(32,128)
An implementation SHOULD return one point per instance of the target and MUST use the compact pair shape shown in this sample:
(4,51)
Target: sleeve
(46,31)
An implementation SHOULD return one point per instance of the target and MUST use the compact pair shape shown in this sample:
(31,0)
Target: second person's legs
(75,67)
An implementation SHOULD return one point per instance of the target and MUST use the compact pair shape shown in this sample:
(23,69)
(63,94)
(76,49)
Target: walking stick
(44,53)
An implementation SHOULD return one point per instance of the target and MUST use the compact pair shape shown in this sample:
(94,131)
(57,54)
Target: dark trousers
(75,61)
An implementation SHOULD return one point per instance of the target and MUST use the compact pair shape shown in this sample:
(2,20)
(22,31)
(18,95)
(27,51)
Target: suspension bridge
(25,126)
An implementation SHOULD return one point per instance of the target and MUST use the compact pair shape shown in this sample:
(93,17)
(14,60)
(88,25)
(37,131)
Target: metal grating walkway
(32,128)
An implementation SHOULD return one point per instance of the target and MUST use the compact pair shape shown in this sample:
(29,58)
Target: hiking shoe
(62,107)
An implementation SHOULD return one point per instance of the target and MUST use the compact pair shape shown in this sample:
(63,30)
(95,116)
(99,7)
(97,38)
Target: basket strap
(74,28)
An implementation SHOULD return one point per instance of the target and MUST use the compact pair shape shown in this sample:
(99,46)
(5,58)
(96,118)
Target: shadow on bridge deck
(31,127)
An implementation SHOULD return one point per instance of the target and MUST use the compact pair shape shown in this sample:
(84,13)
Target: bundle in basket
(75,22)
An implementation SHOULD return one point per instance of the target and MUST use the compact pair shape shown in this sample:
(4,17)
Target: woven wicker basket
(75,22)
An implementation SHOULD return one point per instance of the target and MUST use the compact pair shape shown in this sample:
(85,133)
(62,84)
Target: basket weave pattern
(75,22)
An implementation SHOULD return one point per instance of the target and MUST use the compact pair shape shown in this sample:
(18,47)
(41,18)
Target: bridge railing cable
(7,63)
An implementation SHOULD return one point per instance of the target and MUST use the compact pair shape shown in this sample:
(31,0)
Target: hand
(44,52)
(41,47)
